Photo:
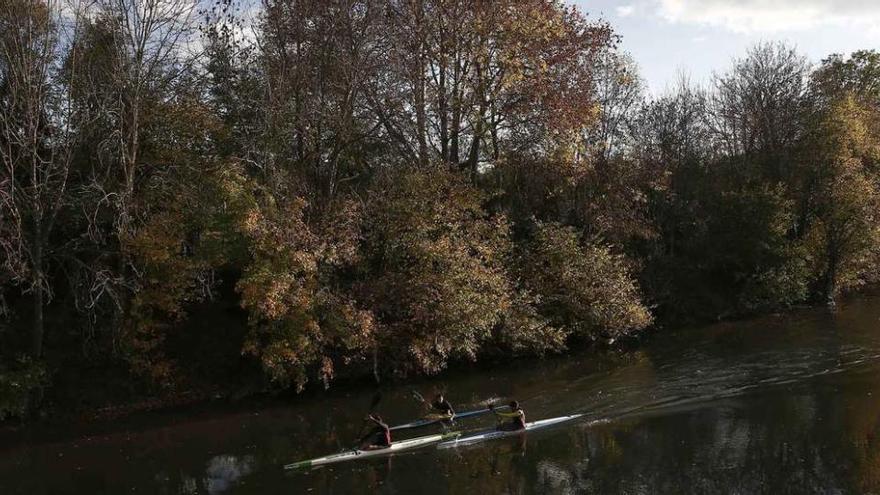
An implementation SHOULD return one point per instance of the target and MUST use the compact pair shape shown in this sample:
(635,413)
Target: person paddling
(379,437)
(442,406)
(516,415)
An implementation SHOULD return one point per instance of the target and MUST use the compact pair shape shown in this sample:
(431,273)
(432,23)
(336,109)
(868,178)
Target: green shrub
(19,385)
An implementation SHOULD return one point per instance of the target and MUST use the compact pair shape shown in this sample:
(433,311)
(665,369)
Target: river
(786,403)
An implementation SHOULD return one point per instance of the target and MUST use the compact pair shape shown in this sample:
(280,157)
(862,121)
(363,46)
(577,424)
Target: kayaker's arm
(376,421)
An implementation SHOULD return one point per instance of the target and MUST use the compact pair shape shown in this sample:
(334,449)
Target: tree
(187,234)
(316,57)
(470,81)
(610,200)
(140,50)
(722,242)
(37,136)
(581,287)
(672,143)
(235,80)
(433,270)
(150,38)
(846,151)
(858,75)
(619,92)
(303,318)
(759,108)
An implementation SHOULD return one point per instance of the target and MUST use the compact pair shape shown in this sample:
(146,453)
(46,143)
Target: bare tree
(317,56)
(758,107)
(151,38)
(619,91)
(37,137)
(148,47)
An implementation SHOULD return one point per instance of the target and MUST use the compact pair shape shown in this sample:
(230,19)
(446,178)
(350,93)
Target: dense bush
(581,287)
(434,271)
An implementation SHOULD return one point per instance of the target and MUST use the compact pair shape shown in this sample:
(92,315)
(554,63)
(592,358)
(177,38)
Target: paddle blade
(377,398)
(417,395)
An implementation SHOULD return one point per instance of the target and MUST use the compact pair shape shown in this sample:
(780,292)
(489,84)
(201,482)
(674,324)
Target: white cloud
(769,16)
(625,10)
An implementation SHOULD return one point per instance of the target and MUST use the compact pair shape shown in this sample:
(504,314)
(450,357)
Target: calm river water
(781,404)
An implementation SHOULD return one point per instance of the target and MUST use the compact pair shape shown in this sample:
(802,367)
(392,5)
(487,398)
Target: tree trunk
(455,125)
(474,153)
(831,280)
(39,299)
(419,88)
(421,122)
(442,110)
(473,159)
(376,364)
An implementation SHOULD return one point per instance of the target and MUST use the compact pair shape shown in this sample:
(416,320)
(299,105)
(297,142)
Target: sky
(696,38)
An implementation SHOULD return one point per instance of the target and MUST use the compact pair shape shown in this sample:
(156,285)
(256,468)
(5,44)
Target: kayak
(351,455)
(460,441)
(437,418)
(493,434)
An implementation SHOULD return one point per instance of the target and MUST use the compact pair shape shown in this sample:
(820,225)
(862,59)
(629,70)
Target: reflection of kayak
(437,418)
(351,455)
(493,434)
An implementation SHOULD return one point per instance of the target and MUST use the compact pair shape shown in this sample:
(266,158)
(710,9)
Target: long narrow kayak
(493,434)
(437,418)
(351,455)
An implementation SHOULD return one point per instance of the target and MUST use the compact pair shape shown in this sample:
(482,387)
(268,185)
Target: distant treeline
(388,186)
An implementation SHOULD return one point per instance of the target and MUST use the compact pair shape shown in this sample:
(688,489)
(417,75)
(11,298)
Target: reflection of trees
(768,442)
(224,470)
(489,468)
(859,414)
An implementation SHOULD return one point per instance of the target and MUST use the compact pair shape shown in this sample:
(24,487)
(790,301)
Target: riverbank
(59,416)
(52,422)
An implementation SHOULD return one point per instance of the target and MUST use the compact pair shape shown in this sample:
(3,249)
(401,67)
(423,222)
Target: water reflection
(224,470)
(776,405)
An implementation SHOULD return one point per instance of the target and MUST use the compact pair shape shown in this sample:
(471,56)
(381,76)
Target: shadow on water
(782,404)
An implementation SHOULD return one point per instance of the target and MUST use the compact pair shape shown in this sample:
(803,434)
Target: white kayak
(351,455)
(493,434)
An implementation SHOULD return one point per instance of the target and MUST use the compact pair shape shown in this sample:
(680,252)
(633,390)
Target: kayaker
(379,437)
(442,406)
(516,416)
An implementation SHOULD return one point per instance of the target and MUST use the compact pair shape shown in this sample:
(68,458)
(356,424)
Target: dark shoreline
(196,406)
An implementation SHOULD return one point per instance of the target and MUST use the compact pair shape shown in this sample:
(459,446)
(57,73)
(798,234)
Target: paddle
(377,398)
(431,416)
(416,395)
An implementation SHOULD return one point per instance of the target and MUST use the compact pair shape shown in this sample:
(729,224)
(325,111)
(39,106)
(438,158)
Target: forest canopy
(196,198)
